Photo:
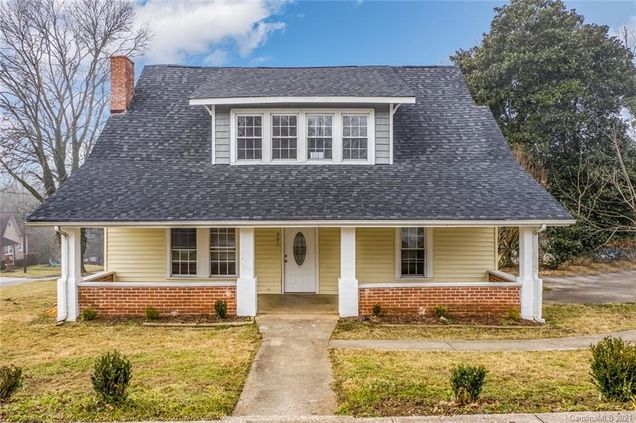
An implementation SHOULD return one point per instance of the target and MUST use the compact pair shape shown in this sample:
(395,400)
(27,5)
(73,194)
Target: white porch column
(531,285)
(71,263)
(246,283)
(347,283)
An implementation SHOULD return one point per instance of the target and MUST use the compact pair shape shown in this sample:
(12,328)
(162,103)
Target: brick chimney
(122,83)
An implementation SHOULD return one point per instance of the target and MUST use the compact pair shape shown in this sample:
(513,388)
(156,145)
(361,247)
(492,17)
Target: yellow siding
(137,254)
(268,260)
(463,254)
(375,252)
(329,260)
(459,254)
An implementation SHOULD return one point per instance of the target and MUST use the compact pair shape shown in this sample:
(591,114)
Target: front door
(300,260)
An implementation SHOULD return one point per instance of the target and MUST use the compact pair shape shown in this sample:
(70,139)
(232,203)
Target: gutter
(62,282)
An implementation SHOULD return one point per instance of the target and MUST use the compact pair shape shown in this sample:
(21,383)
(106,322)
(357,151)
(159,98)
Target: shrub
(377,310)
(89,314)
(10,381)
(220,307)
(613,369)
(440,312)
(513,314)
(467,383)
(152,313)
(111,377)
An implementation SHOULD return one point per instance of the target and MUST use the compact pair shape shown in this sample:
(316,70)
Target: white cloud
(183,28)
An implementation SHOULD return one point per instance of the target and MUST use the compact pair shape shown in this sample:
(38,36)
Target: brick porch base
(459,300)
(133,301)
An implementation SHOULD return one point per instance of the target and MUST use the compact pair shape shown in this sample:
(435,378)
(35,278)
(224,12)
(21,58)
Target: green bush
(111,377)
(377,309)
(220,307)
(152,313)
(440,312)
(513,314)
(467,383)
(89,314)
(10,381)
(613,369)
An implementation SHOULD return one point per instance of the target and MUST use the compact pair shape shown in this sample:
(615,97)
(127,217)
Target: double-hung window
(284,136)
(183,251)
(222,252)
(412,252)
(249,137)
(355,138)
(319,137)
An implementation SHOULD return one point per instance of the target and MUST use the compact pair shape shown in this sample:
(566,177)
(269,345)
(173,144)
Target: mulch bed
(189,320)
(418,320)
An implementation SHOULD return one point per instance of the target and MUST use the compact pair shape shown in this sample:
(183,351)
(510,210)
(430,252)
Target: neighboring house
(377,184)
(11,242)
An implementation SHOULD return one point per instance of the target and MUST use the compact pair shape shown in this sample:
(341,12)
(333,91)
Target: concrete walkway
(592,416)
(291,375)
(547,344)
(615,287)
(4,281)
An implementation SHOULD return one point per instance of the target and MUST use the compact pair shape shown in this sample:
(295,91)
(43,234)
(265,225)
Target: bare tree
(54,82)
(604,193)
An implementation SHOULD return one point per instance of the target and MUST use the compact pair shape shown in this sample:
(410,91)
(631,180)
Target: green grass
(178,373)
(561,320)
(43,270)
(371,383)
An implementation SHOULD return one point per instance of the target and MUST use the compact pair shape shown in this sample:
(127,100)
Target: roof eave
(209,101)
(313,223)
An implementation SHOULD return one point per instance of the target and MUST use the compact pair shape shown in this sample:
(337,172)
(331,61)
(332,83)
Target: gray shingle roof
(357,81)
(451,162)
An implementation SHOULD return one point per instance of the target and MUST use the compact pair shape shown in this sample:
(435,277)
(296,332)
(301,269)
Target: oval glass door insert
(300,248)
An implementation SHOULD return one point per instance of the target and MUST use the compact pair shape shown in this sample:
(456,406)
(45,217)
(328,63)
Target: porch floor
(297,304)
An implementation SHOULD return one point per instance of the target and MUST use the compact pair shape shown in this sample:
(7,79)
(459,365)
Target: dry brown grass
(177,373)
(371,383)
(561,320)
(588,267)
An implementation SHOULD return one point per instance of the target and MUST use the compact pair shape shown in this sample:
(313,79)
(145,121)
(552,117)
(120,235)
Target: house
(11,240)
(375,184)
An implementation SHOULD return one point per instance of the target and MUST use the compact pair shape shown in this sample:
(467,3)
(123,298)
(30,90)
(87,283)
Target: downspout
(541,229)
(62,301)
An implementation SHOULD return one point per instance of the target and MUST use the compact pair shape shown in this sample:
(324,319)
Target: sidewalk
(601,416)
(547,344)
(6,281)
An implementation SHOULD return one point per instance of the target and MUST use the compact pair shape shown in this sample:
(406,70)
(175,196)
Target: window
(249,138)
(183,252)
(8,249)
(222,252)
(319,136)
(354,137)
(412,252)
(284,137)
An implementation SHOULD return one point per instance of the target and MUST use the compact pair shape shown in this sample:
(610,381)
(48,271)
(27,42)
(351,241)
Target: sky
(314,33)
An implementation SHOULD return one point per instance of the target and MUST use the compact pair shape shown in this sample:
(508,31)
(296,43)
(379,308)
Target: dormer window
(302,136)
(319,137)
(249,138)
(284,136)
(354,137)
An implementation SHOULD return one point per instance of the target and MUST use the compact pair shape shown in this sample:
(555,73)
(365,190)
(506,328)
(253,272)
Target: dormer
(302,116)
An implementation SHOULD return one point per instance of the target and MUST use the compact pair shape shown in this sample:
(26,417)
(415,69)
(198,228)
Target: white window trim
(203,256)
(301,145)
(428,241)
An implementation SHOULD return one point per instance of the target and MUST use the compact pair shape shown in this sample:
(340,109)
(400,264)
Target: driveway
(616,287)
(4,281)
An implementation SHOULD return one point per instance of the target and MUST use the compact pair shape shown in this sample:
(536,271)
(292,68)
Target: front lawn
(371,383)
(187,373)
(561,320)
(44,270)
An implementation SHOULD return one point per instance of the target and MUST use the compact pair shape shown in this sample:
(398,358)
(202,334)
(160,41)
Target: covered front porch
(326,269)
